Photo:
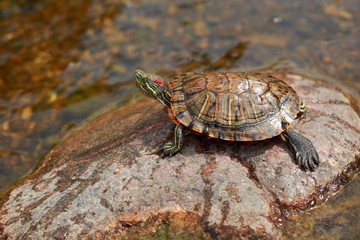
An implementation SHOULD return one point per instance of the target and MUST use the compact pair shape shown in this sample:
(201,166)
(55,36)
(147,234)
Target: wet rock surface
(104,182)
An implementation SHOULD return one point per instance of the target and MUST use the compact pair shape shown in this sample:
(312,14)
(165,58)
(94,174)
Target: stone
(105,180)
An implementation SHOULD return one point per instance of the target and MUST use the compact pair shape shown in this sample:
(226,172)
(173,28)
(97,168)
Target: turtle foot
(171,148)
(305,154)
(168,149)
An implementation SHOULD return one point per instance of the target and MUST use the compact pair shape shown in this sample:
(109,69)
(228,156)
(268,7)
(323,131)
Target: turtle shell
(233,106)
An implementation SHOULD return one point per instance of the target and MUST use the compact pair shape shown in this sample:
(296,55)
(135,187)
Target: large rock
(103,180)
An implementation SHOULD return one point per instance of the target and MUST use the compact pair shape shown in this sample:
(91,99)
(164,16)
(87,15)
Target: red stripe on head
(158,81)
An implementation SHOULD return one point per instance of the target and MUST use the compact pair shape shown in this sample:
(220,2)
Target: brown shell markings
(233,106)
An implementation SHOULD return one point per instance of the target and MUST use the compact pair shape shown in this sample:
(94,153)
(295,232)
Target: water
(64,61)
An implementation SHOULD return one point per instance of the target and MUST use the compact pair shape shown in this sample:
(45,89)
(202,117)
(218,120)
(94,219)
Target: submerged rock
(105,182)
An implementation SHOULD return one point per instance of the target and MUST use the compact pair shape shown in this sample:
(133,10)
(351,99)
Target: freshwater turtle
(242,106)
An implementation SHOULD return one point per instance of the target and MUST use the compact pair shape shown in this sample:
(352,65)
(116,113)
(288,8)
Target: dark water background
(62,62)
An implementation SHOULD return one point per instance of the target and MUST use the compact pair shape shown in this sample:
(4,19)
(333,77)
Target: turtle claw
(158,152)
(308,159)
(161,154)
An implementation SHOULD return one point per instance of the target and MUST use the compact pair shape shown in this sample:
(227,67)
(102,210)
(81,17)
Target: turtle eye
(158,81)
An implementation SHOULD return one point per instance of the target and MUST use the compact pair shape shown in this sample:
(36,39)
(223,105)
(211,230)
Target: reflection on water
(61,61)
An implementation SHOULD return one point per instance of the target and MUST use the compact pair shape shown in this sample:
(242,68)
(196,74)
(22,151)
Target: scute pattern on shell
(233,106)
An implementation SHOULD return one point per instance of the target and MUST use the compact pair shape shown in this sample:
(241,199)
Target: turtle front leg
(171,148)
(305,153)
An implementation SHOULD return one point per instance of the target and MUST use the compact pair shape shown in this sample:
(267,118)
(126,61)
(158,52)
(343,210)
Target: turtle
(232,106)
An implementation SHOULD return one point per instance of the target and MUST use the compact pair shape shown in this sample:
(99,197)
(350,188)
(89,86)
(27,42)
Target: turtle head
(153,86)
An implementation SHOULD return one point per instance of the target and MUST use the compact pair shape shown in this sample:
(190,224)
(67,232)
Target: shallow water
(338,218)
(63,61)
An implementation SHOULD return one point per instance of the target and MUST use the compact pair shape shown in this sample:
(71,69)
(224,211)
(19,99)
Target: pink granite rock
(103,180)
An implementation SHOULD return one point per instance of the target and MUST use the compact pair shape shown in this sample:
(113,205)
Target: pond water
(62,62)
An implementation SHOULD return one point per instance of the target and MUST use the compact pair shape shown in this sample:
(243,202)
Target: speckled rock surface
(103,180)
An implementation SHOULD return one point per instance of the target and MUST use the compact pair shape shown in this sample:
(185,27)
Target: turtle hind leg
(305,153)
(171,148)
